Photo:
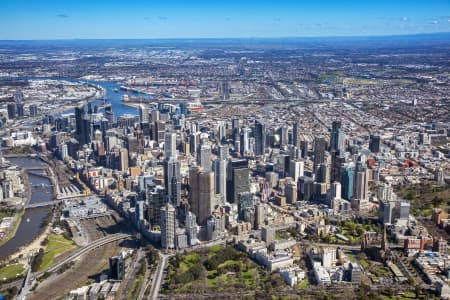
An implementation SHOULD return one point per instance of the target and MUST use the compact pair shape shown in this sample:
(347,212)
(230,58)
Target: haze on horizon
(49,19)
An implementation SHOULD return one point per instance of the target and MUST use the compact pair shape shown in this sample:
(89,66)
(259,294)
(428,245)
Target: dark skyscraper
(172,180)
(11,107)
(374,143)
(337,137)
(260,137)
(295,133)
(81,125)
(319,151)
(237,179)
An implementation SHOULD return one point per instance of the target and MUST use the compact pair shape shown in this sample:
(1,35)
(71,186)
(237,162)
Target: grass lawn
(56,245)
(303,284)
(133,293)
(11,271)
(364,263)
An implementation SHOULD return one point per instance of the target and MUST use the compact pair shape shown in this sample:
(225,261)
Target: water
(33,218)
(115,98)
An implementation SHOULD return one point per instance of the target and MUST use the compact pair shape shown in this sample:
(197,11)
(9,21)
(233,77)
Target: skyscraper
(374,143)
(295,134)
(156,198)
(123,159)
(170,144)
(168,226)
(337,137)
(347,180)
(201,187)
(204,157)
(260,137)
(220,173)
(172,180)
(319,151)
(237,179)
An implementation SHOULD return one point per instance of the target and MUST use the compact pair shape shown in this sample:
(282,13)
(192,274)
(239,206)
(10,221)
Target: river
(33,218)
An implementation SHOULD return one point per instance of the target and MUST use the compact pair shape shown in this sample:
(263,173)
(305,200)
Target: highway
(156,284)
(84,250)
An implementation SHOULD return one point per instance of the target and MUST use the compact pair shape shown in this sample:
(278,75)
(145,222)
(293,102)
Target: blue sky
(73,19)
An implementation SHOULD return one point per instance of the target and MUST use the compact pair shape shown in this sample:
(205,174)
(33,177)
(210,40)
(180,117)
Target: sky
(135,19)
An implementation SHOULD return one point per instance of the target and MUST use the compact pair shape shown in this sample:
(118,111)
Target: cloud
(405,19)
(434,22)
(162,18)
(228,19)
(277,19)
(63,16)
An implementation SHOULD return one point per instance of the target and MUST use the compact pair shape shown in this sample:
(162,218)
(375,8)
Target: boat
(125,98)
(125,88)
(116,90)
(28,220)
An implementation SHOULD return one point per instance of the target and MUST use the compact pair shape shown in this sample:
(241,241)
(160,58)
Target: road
(156,286)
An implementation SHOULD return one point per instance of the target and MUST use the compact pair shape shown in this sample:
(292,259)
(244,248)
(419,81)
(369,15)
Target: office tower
(260,137)
(361,185)
(159,130)
(319,151)
(20,110)
(139,211)
(296,169)
(144,114)
(347,180)
(220,173)
(291,192)
(439,176)
(156,198)
(168,226)
(201,187)
(33,110)
(117,267)
(386,211)
(63,151)
(306,188)
(304,146)
(245,201)
(221,130)
(374,143)
(154,115)
(193,143)
(170,144)
(284,136)
(322,173)
(109,113)
(237,179)
(123,159)
(404,210)
(235,128)
(11,107)
(191,228)
(172,180)
(260,215)
(81,125)
(424,139)
(223,152)
(295,135)
(204,157)
(245,140)
(337,137)
(336,190)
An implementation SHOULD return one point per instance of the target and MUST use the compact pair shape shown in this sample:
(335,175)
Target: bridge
(84,250)
(43,204)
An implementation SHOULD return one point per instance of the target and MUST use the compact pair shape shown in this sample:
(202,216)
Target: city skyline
(20,20)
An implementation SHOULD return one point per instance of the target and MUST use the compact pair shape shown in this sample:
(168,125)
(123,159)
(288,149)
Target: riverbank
(13,231)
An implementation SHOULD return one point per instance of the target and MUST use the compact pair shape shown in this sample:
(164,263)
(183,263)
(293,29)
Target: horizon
(199,19)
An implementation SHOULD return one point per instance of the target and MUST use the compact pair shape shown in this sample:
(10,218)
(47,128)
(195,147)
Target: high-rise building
(260,215)
(245,140)
(374,143)
(144,114)
(201,187)
(260,137)
(11,107)
(170,144)
(347,181)
(123,159)
(295,135)
(237,179)
(220,173)
(172,180)
(319,151)
(168,226)
(191,228)
(204,157)
(156,198)
(361,185)
(20,110)
(235,128)
(117,267)
(245,201)
(337,137)
(296,169)
(81,125)
(33,110)
(284,136)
